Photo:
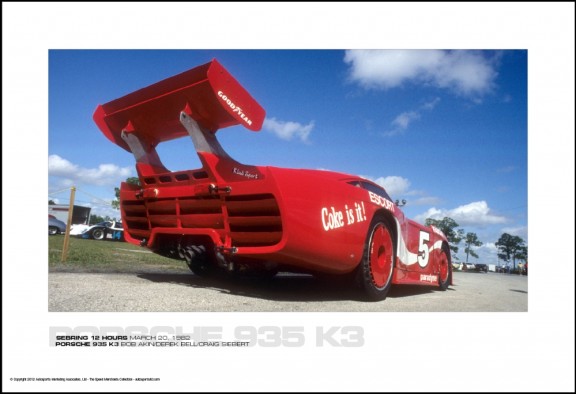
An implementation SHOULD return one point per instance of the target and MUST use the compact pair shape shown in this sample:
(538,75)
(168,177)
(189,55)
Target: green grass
(87,255)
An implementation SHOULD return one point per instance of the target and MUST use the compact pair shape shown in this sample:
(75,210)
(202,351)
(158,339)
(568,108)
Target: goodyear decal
(236,109)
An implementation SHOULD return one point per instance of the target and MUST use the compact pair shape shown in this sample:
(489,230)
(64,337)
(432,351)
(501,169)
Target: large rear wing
(208,94)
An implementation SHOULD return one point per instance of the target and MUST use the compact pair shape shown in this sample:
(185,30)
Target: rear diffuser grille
(252,220)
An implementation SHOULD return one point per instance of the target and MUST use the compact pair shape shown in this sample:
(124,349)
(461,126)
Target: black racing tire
(98,234)
(53,230)
(445,271)
(197,260)
(377,267)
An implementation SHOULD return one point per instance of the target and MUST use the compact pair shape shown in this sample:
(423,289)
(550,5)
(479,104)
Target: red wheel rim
(443,267)
(381,251)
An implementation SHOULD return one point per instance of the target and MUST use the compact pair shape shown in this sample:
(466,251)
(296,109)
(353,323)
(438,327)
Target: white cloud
(489,246)
(430,105)
(466,73)
(394,185)
(521,231)
(102,210)
(432,213)
(58,166)
(60,184)
(487,254)
(288,130)
(398,187)
(424,201)
(402,121)
(105,174)
(474,214)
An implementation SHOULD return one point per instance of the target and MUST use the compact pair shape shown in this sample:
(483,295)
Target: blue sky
(445,130)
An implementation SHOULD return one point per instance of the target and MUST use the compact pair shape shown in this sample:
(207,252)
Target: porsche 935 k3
(244,218)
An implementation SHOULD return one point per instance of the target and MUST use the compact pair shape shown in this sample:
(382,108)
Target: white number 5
(423,251)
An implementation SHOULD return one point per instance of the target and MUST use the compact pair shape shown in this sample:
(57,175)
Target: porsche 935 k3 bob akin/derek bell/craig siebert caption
(257,219)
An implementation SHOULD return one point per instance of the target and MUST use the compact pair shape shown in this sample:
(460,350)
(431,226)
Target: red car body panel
(301,220)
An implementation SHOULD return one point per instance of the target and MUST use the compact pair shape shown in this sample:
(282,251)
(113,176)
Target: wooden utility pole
(68,225)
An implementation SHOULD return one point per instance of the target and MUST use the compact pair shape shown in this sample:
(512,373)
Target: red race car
(244,218)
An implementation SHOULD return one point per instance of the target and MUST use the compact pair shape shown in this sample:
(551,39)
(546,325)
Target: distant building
(81,215)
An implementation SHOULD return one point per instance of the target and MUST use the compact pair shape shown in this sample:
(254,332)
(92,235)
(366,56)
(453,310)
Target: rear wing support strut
(143,154)
(204,140)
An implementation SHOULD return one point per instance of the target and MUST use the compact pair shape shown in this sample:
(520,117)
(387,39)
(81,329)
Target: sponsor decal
(245,173)
(428,278)
(333,219)
(236,109)
(379,200)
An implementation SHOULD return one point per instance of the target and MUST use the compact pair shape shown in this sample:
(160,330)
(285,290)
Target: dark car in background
(480,267)
(55,226)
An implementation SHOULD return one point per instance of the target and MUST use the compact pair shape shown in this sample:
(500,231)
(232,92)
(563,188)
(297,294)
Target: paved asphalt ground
(185,292)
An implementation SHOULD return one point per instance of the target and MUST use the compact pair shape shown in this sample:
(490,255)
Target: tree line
(510,247)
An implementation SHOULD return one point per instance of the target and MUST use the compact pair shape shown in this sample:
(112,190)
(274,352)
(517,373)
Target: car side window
(372,188)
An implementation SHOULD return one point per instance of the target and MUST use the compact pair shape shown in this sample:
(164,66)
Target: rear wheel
(98,234)
(378,261)
(197,259)
(445,272)
(52,230)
